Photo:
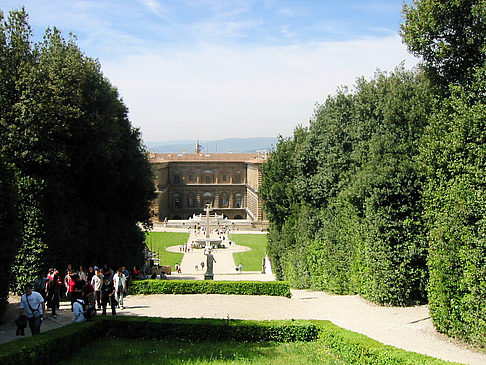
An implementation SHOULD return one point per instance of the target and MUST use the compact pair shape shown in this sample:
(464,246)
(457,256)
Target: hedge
(271,288)
(347,346)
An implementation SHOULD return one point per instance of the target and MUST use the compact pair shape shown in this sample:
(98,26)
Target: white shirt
(35,301)
(78,311)
(97,281)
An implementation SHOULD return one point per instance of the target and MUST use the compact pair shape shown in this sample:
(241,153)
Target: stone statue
(209,265)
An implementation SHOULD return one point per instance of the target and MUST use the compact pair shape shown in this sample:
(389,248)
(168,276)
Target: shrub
(345,345)
(271,288)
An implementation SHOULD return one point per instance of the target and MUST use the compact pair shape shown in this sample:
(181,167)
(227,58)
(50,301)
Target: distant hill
(236,145)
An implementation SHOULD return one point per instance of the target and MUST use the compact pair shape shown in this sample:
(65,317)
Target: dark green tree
(9,228)
(354,225)
(65,128)
(454,153)
(450,36)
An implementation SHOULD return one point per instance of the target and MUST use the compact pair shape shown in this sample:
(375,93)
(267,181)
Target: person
(107,295)
(82,273)
(97,282)
(120,283)
(78,310)
(32,303)
(53,288)
(127,277)
(240,267)
(40,285)
(91,273)
(136,273)
(69,283)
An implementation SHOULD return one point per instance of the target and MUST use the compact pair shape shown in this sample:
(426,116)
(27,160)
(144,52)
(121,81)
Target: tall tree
(66,130)
(454,154)
(450,36)
(9,228)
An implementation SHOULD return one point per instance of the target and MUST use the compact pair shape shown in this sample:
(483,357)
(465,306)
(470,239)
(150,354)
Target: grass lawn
(159,241)
(128,351)
(251,260)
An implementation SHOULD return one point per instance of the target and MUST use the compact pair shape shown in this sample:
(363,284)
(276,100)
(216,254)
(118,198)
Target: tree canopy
(66,130)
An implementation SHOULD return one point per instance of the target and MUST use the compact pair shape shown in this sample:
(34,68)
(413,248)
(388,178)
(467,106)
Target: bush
(51,346)
(271,288)
(210,329)
(345,345)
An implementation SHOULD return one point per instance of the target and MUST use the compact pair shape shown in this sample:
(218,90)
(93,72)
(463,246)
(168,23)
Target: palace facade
(186,182)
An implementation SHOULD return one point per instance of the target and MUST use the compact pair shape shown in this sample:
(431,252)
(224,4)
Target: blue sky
(207,69)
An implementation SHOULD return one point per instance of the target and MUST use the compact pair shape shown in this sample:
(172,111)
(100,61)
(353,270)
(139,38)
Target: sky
(214,69)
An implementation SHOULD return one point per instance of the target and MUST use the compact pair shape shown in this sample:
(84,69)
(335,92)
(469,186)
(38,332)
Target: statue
(209,265)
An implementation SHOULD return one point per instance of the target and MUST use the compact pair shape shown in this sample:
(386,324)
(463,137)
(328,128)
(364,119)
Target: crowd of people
(87,291)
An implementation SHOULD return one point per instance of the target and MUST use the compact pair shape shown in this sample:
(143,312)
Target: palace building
(186,182)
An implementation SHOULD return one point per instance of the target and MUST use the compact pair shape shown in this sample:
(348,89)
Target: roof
(257,157)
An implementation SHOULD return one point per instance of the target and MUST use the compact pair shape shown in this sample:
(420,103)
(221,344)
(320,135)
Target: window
(191,177)
(224,200)
(238,201)
(191,200)
(208,179)
(177,178)
(224,178)
(238,177)
(208,198)
(177,200)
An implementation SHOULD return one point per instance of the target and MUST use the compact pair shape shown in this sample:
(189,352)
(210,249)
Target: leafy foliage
(354,221)
(328,338)
(9,228)
(450,36)
(454,154)
(86,180)
(271,288)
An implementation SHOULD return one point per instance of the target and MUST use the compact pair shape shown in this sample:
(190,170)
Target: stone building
(186,182)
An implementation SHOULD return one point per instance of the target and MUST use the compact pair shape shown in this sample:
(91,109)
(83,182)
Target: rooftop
(209,157)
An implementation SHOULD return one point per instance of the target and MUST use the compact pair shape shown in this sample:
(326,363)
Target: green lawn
(159,241)
(251,260)
(128,351)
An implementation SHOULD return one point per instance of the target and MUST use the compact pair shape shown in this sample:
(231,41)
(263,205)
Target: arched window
(238,199)
(208,198)
(191,200)
(177,200)
(223,200)
(207,176)
(238,177)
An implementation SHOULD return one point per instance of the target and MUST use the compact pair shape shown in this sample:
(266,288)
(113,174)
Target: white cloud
(215,91)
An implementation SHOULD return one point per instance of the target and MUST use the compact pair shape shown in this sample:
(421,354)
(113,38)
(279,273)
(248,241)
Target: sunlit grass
(159,241)
(251,260)
(125,351)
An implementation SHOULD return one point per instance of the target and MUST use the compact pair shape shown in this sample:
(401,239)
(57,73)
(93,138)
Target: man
(97,282)
(32,303)
(107,295)
(120,283)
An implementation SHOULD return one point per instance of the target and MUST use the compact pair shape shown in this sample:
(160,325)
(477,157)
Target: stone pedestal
(208,276)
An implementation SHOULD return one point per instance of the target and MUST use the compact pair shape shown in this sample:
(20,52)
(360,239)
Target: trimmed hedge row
(345,345)
(49,347)
(196,330)
(271,288)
